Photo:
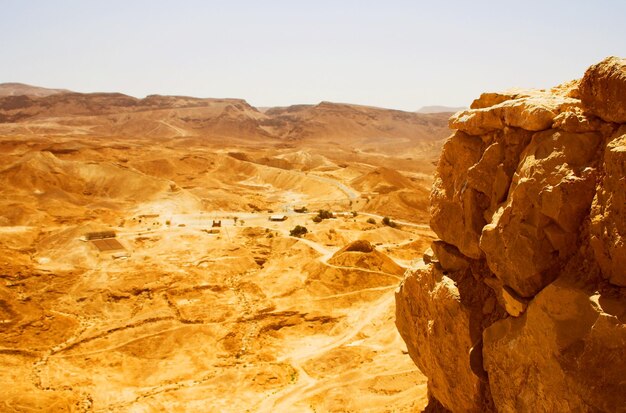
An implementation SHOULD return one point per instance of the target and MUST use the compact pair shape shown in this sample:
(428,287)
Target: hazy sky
(396,54)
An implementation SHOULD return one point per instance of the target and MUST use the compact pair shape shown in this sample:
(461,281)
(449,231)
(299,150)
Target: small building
(278,217)
(90,236)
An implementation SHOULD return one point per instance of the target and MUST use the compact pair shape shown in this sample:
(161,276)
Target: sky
(388,53)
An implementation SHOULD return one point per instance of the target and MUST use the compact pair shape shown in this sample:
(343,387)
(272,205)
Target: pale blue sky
(393,53)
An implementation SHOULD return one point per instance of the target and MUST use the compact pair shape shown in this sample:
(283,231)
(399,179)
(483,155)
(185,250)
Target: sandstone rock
(491,99)
(608,216)
(511,302)
(529,203)
(570,89)
(429,256)
(436,327)
(492,175)
(575,120)
(566,353)
(455,217)
(533,113)
(477,121)
(603,90)
(536,230)
(449,256)
(440,317)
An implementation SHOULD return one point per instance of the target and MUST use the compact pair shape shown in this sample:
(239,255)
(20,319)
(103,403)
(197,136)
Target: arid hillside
(340,141)
(522,306)
(20,89)
(115,114)
(148,259)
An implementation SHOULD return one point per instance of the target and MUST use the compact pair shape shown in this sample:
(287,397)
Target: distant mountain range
(440,109)
(24,109)
(20,89)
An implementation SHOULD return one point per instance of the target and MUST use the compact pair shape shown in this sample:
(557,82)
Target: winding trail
(305,386)
(179,131)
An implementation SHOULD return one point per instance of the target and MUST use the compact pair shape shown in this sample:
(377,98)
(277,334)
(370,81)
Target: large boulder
(533,111)
(566,353)
(603,90)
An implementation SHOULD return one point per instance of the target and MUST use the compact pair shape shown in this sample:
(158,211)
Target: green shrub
(298,231)
(371,221)
(386,221)
(324,214)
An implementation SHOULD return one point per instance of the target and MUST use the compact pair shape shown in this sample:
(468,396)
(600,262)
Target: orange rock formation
(523,307)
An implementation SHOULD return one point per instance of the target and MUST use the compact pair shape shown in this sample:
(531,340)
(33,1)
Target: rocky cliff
(522,306)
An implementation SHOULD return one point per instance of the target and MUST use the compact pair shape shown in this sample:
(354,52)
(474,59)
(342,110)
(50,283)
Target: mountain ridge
(20,89)
(155,115)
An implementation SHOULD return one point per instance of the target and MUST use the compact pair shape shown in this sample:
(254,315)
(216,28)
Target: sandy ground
(241,317)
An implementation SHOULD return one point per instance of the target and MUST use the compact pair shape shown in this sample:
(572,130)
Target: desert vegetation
(298,231)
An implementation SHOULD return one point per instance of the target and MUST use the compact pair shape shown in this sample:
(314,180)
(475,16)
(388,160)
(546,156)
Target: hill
(116,114)
(21,89)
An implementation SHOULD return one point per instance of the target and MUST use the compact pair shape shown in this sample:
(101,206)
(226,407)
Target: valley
(202,300)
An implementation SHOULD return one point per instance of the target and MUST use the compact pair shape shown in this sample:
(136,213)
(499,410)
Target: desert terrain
(141,268)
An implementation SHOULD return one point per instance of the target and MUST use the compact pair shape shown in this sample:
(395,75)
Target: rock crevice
(522,307)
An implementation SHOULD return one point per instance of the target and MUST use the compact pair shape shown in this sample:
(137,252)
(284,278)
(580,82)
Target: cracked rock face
(523,305)
(608,226)
(433,300)
(566,353)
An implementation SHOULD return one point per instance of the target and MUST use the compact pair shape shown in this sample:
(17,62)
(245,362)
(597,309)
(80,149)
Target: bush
(298,231)
(386,221)
(354,214)
(324,214)
(371,221)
